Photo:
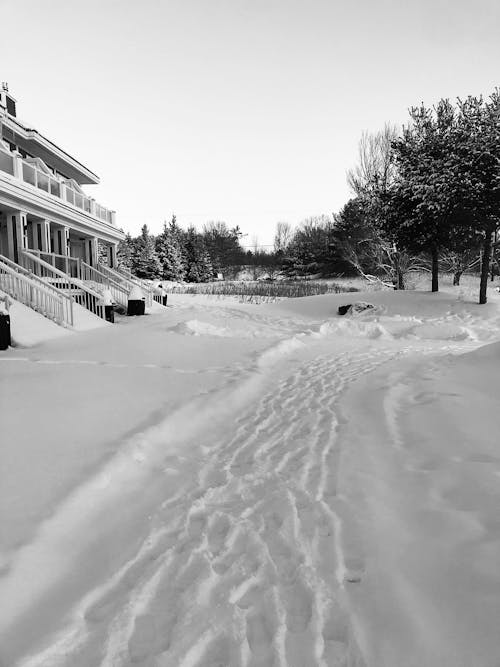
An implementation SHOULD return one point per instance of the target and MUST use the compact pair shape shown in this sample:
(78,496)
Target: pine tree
(223,245)
(170,252)
(447,191)
(125,252)
(199,265)
(146,263)
(102,253)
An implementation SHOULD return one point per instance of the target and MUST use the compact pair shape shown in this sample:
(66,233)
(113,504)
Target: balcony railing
(55,187)
(6,163)
(40,180)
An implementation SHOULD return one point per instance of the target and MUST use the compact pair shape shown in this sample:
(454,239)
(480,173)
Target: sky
(246,111)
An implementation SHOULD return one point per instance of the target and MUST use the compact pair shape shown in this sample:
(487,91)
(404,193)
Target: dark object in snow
(136,302)
(5,340)
(162,294)
(109,304)
(109,314)
(358,307)
(136,307)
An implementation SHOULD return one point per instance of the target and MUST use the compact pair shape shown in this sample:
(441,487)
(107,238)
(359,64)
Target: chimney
(7,100)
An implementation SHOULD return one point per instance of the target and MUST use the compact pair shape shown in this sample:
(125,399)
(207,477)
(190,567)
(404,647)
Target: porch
(63,246)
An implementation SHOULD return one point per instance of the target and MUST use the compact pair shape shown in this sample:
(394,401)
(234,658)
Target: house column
(64,247)
(63,241)
(91,251)
(44,236)
(17,233)
(112,261)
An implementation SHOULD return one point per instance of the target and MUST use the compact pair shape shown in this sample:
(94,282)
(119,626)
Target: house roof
(38,145)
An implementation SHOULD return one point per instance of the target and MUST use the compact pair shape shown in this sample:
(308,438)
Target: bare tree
(256,267)
(458,262)
(390,264)
(282,236)
(375,165)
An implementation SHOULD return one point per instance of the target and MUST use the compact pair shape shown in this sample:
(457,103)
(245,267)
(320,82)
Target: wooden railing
(129,281)
(32,291)
(118,291)
(65,263)
(82,293)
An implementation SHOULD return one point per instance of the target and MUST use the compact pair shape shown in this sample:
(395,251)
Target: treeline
(182,255)
(425,198)
(192,256)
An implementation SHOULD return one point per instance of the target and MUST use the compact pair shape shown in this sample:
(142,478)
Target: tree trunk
(485,268)
(456,277)
(435,269)
(401,280)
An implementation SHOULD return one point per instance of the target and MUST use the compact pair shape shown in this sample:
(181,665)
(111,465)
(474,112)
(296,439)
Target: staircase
(102,281)
(31,290)
(129,281)
(51,284)
(73,287)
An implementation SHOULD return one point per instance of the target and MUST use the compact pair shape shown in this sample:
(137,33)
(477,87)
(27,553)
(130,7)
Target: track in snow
(245,566)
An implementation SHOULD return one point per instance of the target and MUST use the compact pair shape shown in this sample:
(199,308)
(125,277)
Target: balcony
(35,173)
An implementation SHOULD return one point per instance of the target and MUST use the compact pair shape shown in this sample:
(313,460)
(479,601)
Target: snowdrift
(270,484)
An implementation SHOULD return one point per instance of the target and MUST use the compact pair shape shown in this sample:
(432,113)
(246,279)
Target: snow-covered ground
(29,328)
(229,484)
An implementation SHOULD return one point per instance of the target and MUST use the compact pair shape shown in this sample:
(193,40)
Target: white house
(43,206)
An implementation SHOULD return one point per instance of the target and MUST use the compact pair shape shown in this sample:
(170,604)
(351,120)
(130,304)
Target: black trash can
(136,307)
(5,339)
(136,302)
(109,314)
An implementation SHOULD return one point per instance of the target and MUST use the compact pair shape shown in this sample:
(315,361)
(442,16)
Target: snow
(230,484)
(29,328)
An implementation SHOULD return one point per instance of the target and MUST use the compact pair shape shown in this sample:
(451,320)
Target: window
(11,106)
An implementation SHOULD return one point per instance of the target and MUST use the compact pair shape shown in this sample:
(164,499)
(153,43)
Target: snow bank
(29,328)
(402,303)
(420,498)
(84,320)
(199,328)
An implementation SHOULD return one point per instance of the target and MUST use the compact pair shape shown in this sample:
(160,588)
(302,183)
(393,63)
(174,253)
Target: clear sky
(248,111)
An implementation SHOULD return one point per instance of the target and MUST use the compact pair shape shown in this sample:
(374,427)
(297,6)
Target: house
(42,202)
(58,245)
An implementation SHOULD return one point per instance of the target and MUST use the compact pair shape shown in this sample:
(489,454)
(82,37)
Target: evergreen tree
(447,191)
(102,253)
(170,252)
(477,164)
(311,249)
(145,261)
(223,245)
(125,252)
(421,208)
(198,260)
